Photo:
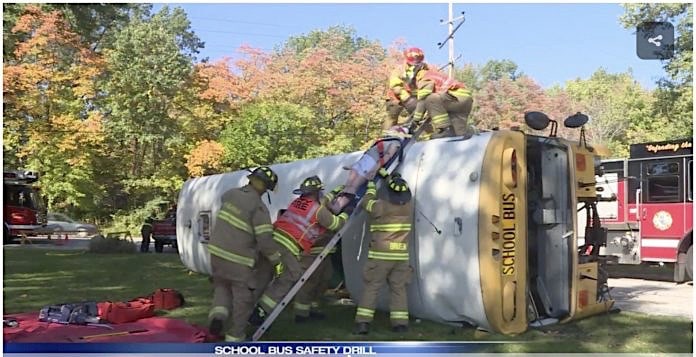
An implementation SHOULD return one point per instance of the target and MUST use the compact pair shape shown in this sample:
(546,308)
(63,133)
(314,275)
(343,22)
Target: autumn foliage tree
(49,119)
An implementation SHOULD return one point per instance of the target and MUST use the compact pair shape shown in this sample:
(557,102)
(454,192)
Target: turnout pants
(448,112)
(394,109)
(308,297)
(397,273)
(279,287)
(263,275)
(233,302)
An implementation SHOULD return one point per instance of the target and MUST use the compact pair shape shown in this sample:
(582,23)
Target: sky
(552,43)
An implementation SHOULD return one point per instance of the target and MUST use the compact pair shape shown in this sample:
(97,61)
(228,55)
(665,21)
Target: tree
(494,70)
(149,65)
(264,133)
(341,41)
(94,23)
(50,124)
(470,75)
(503,102)
(345,92)
(616,104)
(674,97)
(205,159)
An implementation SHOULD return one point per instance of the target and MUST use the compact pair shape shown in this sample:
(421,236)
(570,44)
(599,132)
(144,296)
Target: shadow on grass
(34,278)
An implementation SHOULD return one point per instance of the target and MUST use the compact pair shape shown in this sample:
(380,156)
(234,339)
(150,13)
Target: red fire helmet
(414,55)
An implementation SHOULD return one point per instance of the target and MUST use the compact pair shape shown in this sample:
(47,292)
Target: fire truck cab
(648,205)
(24,208)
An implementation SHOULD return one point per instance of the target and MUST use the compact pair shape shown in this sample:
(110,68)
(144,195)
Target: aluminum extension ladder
(332,243)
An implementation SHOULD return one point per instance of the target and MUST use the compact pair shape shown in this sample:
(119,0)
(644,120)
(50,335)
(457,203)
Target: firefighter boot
(362,328)
(443,133)
(258,316)
(316,315)
(400,328)
(215,327)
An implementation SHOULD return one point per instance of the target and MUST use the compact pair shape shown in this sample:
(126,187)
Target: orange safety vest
(300,222)
(442,81)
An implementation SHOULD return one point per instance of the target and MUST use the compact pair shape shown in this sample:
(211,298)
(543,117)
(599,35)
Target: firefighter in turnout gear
(306,303)
(297,230)
(146,232)
(447,101)
(388,259)
(242,227)
(401,93)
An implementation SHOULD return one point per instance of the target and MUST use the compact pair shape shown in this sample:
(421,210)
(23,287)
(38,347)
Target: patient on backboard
(370,163)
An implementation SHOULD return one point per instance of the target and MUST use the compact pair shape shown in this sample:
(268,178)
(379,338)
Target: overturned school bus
(495,226)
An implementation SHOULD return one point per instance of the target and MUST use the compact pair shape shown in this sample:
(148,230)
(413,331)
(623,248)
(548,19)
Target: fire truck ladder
(332,243)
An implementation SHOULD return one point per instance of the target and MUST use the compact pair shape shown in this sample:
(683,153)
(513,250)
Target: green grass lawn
(35,277)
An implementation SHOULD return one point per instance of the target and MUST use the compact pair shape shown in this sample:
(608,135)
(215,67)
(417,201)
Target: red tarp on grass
(160,329)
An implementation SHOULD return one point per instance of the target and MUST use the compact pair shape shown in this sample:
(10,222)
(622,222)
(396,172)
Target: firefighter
(146,232)
(388,259)
(401,92)
(306,305)
(370,164)
(242,227)
(447,101)
(305,221)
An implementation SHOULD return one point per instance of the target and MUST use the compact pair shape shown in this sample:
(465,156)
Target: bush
(99,244)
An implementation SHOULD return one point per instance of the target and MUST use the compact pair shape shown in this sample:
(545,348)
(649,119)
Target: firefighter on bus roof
(242,227)
(387,258)
(402,87)
(447,101)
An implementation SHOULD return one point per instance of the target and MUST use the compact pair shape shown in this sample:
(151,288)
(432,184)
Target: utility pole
(450,37)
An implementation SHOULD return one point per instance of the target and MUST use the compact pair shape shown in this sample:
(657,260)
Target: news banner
(346,349)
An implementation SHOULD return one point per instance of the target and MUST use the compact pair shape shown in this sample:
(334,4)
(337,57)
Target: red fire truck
(24,208)
(648,206)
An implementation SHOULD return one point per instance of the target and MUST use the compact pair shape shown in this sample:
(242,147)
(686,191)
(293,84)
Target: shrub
(99,244)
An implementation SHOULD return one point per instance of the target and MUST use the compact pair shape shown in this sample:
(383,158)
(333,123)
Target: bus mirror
(576,121)
(536,120)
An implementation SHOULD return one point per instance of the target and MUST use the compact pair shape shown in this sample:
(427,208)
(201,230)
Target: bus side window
(204,226)
(663,182)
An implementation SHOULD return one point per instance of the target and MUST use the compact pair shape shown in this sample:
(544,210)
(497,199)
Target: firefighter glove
(279,269)
(383,172)
(338,189)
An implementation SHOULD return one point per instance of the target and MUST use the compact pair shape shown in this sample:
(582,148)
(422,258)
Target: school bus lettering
(509,234)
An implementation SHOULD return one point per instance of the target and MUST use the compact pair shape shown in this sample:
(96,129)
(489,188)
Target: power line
(240,22)
(239,33)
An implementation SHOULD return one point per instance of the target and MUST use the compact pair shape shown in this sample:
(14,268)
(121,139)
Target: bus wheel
(690,263)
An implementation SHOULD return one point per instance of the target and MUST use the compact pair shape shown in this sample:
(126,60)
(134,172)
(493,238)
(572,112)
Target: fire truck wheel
(690,262)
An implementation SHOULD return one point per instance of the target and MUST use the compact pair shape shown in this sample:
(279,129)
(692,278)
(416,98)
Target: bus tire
(690,263)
